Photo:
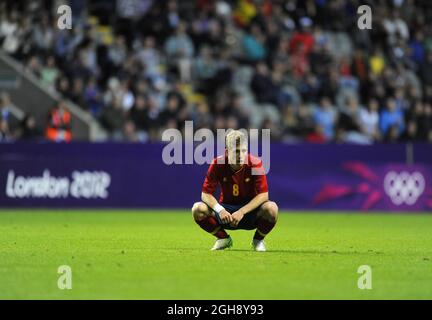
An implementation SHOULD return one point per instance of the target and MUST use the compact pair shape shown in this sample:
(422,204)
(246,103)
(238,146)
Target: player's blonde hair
(234,138)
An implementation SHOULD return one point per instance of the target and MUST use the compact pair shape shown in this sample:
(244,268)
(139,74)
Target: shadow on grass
(287,251)
(333,252)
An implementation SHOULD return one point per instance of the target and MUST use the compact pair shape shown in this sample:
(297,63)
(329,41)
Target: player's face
(238,154)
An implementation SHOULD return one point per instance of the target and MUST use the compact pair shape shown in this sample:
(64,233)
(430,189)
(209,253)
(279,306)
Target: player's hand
(236,218)
(225,217)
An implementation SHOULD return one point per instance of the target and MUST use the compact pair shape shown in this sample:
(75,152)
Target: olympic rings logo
(404,188)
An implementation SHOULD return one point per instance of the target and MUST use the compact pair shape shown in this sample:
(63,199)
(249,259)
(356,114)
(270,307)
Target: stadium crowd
(301,68)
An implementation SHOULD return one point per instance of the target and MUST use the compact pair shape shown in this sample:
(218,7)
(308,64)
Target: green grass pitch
(165,255)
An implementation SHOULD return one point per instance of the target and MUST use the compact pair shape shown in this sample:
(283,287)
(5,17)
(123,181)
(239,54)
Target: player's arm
(258,200)
(211,201)
(208,189)
(261,197)
(261,189)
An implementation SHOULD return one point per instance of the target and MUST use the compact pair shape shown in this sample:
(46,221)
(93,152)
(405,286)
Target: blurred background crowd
(301,68)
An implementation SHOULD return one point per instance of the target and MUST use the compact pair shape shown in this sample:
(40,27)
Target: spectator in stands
(395,27)
(92,97)
(427,122)
(4,106)
(76,95)
(411,132)
(130,134)
(150,57)
(306,121)
(139,114)
(253,44)
(117,53)
(180,49)
(5,134)
(28,130)
(303,38)
(205,69)
(325,117)
(300,61)
(263,86)
(417,49)
(43,34)
(201,116)
(49,73)
(349,122)
(59,124)
(369,120)
(377,62)
(10,32)
(113,118)
(392,122)
(426,76)
(291,123)
(317,135)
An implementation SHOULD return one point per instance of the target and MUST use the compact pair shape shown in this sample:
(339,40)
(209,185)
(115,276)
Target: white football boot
(258,245)
(222,244)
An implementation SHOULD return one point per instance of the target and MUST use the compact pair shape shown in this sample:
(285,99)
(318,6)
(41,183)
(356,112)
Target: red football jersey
(237,187)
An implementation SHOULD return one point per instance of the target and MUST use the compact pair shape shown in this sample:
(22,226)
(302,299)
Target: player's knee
(270,210)
(199,210)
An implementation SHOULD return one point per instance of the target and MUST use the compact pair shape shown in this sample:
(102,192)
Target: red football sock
(211,225)
(263,228)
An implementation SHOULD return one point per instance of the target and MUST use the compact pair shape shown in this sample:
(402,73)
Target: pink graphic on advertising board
(400,187)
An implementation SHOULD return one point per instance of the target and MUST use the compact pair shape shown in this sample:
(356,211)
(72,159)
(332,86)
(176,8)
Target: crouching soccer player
(244,201)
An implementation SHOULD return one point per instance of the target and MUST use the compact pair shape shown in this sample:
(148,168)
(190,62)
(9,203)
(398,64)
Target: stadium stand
(301,68)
